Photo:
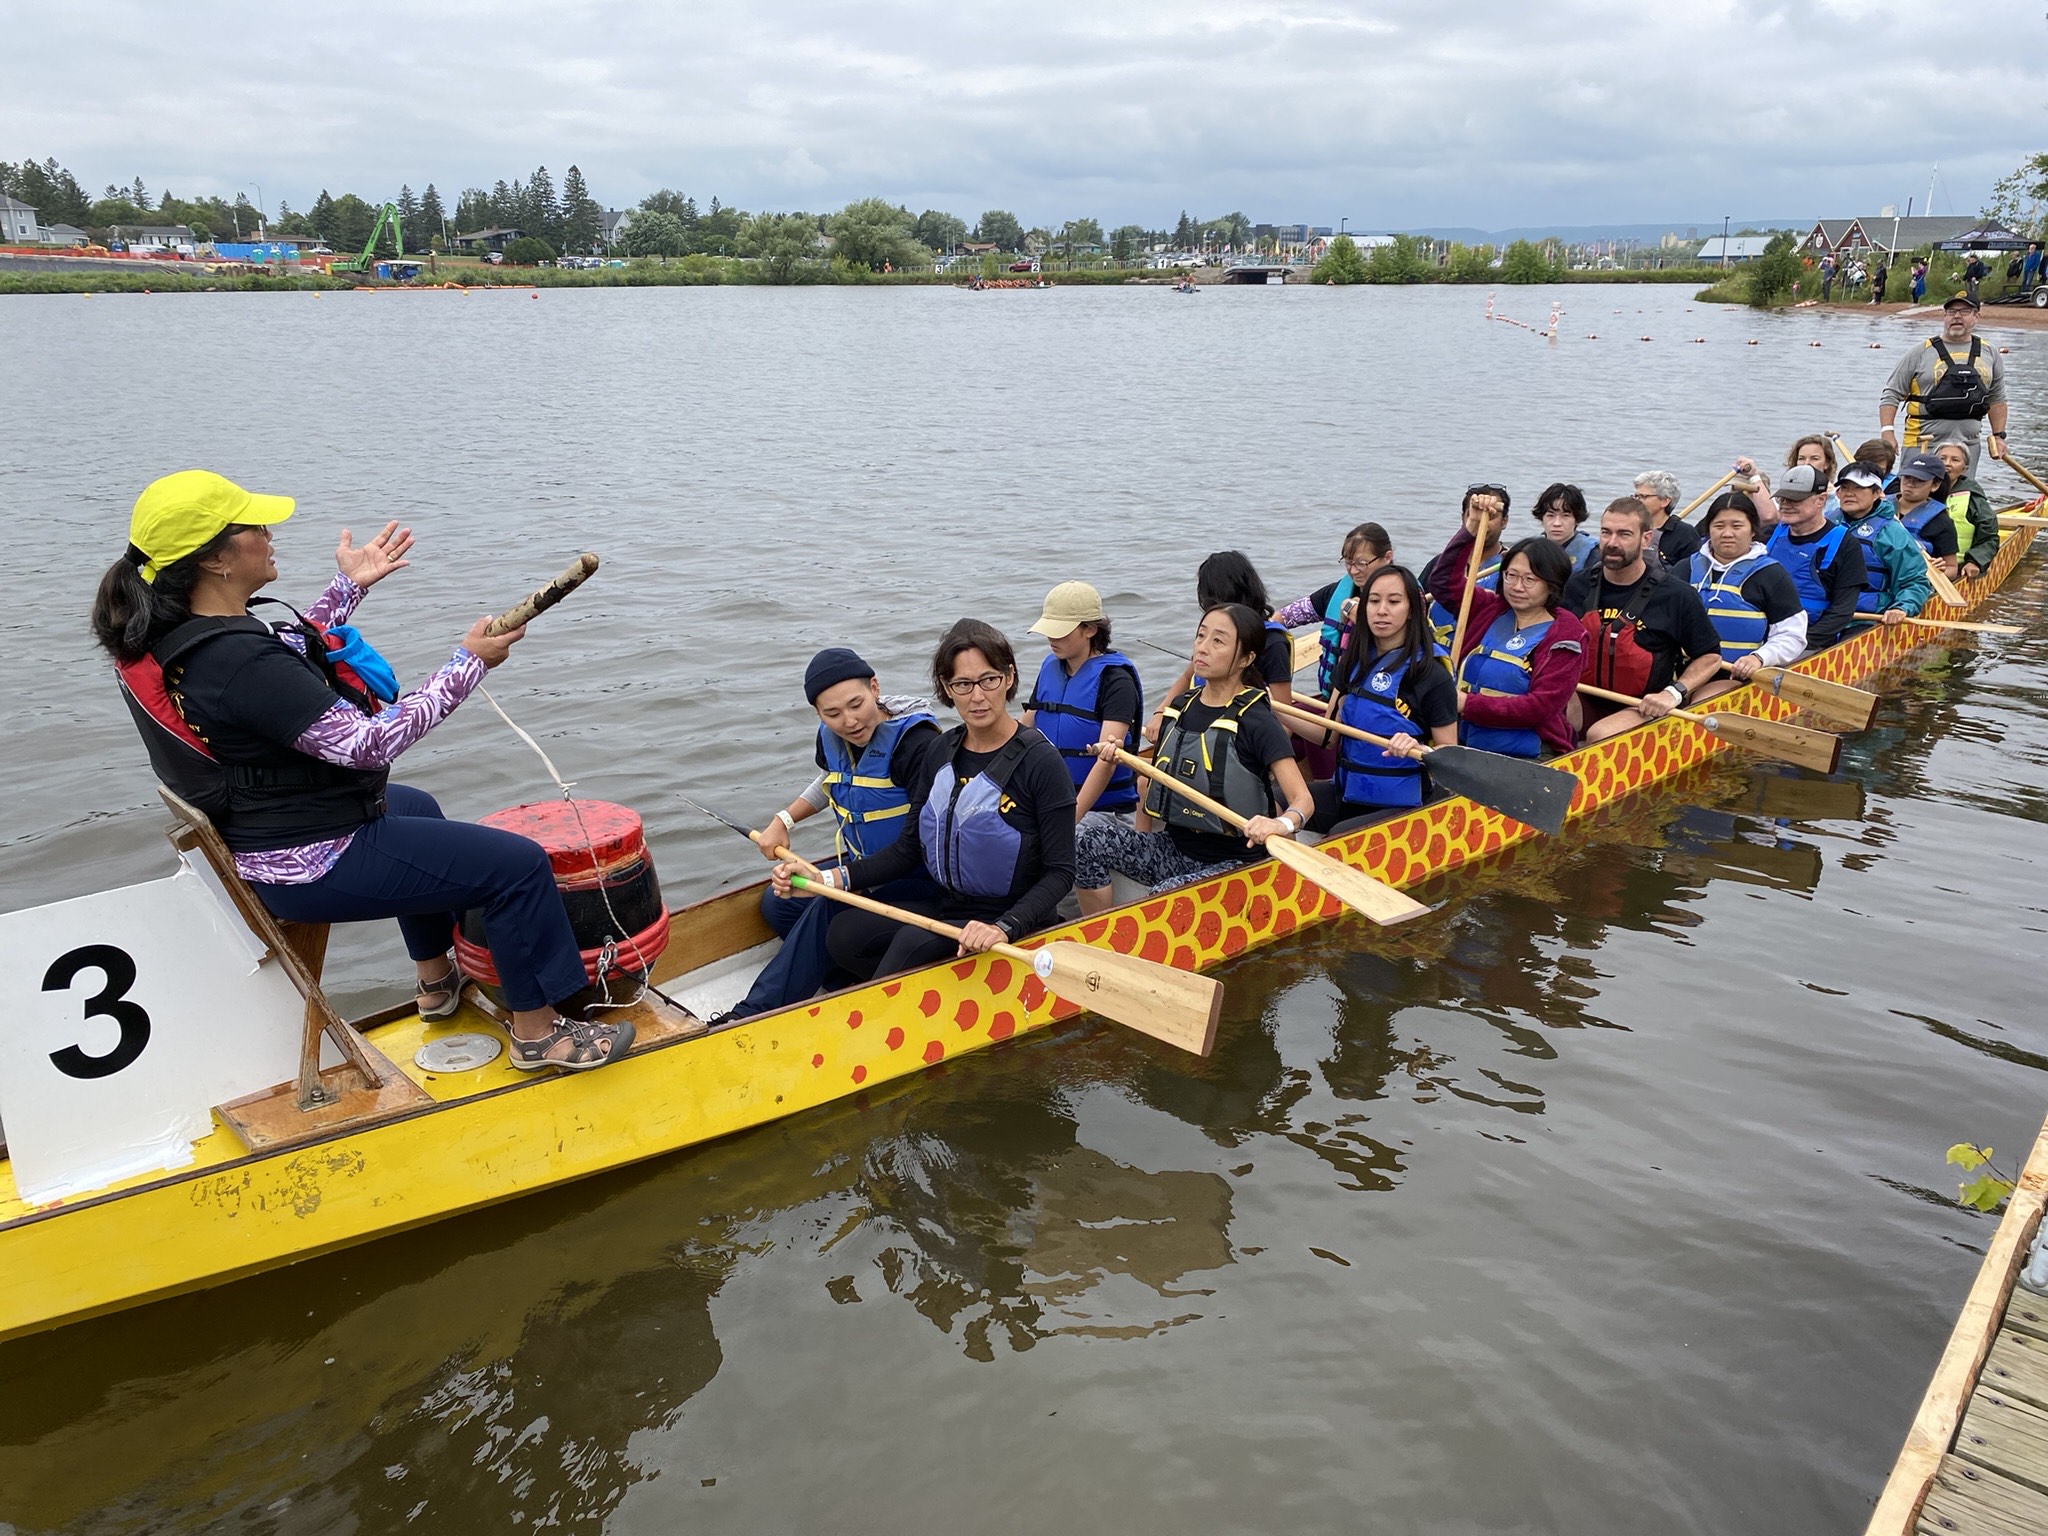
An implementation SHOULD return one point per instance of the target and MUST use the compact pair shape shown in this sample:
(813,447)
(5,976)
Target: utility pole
(1724,242)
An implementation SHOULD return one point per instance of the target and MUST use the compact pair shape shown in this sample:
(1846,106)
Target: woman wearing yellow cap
(285,734)
(1087,692)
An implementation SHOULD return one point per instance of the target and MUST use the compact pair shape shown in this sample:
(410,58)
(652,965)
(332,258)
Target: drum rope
(607,958)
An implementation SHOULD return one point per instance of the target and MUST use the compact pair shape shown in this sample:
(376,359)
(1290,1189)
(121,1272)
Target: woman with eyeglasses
(1561,509)
(1520,666)
(995,829)
(1366,549)
(1485,506)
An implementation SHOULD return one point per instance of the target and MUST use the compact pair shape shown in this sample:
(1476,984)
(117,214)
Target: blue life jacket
(867,804)
(1917,523)
(1369,775)
(1065,714)
(1498,666)
(1579,546)
(1444,621)
(1740,624)
(968,847)
(1807,563)
(1334,632)
(1208,761)
(1877,576)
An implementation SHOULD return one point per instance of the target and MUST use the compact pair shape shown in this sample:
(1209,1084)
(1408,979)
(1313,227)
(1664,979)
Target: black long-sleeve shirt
(1040,797)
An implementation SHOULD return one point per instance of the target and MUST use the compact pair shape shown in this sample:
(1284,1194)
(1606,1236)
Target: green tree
(350,221)
(940,231)
(718,231)
(409,219)
(291,222)
(1341,263)
(540,213)
(873,233)
(1081,232)
(473,211)
(529,251)
(433,219)
(674,204)
(1186,236)
(1400,262)
(1000,228)
(785,244)
(654,234)
(582,218)
(321,216)
(504,205)
(1128,240)
(1469,264)
(2017,198)
(1525,262)
(1774,275)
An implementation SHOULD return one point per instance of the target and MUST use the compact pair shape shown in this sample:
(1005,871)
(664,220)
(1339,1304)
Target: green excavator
(362,268)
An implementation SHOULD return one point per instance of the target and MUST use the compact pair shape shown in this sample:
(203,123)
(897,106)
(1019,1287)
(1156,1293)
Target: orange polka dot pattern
(918,1020)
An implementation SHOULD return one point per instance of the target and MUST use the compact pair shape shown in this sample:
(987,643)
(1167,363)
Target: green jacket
(1976,522)
(1887,546)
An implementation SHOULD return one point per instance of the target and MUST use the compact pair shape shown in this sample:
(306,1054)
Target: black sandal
(590,1045)
(449,987)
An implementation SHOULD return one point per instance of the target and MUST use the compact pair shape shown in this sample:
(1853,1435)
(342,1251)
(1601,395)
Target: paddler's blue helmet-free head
(835,664)
(182,513)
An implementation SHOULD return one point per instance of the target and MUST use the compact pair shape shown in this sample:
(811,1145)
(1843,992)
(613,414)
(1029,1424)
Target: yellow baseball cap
(185,512)
(1067,607)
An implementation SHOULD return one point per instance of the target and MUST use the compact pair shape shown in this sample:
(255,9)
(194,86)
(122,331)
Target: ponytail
(129,615)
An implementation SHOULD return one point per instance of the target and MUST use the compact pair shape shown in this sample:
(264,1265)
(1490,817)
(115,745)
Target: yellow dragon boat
(394,1145)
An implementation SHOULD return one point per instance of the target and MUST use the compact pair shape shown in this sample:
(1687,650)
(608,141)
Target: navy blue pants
(414,865)
(802,966)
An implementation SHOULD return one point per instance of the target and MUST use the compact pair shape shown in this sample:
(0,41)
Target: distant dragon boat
(388,1144)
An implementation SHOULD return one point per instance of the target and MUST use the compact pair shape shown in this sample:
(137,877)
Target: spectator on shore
(1827,278)
(2030,269)
(1852,279)
(1878,280)
(1973,274)
(1919,289)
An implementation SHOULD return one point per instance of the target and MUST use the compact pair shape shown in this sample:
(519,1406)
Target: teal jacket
(1906,586)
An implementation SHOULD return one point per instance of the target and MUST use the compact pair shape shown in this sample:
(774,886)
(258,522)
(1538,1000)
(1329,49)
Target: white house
(613,229)
(154,237)
(17,222)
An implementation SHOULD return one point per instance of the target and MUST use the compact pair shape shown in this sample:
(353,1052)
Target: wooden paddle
(1704,497)
(2025,473)
(577,572)
(1850,708)
(2021,520)
(1308,646)
(1175,1006)
(1471,581)
(1529,791)
(1355,888)
(1793,744)
(1978,629)
(1944,589)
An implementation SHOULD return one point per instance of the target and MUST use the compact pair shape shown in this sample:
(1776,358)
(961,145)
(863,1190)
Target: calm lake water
(1608,1199)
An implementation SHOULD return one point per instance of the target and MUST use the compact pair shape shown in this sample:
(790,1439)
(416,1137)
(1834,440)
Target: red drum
(606,878)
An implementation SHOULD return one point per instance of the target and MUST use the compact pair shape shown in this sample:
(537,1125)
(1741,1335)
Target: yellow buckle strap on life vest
(858,781)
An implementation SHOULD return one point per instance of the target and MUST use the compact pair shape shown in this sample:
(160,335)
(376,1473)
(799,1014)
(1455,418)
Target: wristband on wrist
(788,821)
(1679,690)
(1888,427)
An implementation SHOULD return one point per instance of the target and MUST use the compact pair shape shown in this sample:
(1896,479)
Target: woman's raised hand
(370,564)
(486,647)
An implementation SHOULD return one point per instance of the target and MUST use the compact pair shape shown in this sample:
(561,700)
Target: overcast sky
(1491,113)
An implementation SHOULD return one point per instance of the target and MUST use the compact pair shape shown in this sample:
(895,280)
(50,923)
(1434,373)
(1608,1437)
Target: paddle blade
(1176,1006)
(1793,744)
(1944,588)
(1354,887)
(1528,791)
(1850,708)
(1308,645)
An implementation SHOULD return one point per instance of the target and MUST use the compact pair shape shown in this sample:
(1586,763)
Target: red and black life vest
(1615,658)
(281,801)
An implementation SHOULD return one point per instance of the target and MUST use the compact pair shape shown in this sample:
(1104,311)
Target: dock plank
(1966,1500)
(2028,1313)
(2007,1436)
(2018,1367)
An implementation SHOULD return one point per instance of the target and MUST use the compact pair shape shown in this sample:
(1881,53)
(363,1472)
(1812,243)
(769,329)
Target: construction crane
(362,266)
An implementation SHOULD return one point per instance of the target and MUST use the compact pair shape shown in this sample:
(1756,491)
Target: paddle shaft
(1307,717)
(900,914)
(1704,496)
(2026,474)
(573,576)
(1214,807)
(1622,698)
(1471,581)
(1981,629)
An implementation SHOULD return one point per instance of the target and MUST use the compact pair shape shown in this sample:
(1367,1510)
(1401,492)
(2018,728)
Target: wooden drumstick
(574,576)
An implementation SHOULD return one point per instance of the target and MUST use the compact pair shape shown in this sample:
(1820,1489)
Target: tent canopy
(1985,237)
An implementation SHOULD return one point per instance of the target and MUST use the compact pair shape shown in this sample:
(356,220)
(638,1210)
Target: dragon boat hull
(493,1133)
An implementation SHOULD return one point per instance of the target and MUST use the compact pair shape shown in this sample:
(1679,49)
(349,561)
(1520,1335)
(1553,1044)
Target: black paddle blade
(1514,786)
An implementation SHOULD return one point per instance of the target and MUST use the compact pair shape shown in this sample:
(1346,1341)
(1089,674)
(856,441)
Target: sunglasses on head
(1487,490)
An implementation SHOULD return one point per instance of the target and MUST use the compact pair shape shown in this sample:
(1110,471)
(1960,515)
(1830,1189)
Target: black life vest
(1963,392)
(280,801)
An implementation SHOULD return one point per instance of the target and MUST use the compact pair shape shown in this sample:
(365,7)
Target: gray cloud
(1400,113)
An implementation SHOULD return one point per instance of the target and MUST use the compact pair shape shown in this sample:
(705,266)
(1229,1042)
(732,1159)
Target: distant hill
(1587,234)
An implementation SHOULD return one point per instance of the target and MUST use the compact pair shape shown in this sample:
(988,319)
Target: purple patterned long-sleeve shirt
(352,739)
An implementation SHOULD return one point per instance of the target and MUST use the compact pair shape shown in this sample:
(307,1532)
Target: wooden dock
(1975,1462)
